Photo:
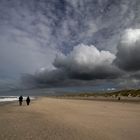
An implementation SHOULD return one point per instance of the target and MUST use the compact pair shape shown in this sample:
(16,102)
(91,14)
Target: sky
(60,43)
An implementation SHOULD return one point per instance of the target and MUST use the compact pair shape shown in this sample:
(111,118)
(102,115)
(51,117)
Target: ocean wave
(12,98)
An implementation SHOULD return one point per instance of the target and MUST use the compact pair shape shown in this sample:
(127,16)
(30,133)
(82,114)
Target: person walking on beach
(28,100)
(20,100)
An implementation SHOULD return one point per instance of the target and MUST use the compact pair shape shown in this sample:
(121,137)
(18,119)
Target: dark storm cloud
(128,55)
(83,63)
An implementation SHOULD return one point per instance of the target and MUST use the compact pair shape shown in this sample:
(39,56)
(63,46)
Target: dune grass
(125,93)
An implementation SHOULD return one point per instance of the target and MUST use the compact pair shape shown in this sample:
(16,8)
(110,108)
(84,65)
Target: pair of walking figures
(21,100)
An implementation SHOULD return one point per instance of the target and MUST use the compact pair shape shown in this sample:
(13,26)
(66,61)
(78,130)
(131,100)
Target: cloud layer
(86,63)
(93,40)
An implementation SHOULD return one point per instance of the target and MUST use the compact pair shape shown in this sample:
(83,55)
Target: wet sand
(63,119)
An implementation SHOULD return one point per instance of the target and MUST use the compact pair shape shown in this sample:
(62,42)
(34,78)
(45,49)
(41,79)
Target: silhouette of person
(28,100)
(20,100)
(119,98)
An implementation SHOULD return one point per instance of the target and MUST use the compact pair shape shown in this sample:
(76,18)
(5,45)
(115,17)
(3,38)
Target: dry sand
(62,119)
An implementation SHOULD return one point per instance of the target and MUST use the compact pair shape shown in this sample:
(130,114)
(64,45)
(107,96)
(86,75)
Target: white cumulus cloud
(85,58)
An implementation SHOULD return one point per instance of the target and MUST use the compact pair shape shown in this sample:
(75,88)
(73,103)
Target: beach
(61,119)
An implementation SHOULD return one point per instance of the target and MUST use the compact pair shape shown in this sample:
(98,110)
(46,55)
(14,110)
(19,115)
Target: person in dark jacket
(28,100)
(20,100)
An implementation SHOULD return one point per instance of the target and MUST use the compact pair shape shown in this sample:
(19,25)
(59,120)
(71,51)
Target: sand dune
(62,119)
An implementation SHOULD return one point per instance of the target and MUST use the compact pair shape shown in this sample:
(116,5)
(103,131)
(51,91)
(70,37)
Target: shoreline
(132,100)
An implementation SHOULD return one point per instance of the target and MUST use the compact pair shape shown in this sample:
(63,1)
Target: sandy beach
(61,119)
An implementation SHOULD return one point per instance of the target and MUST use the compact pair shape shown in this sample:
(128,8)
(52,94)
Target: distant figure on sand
(20,100)
(119,98)
(28,100)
